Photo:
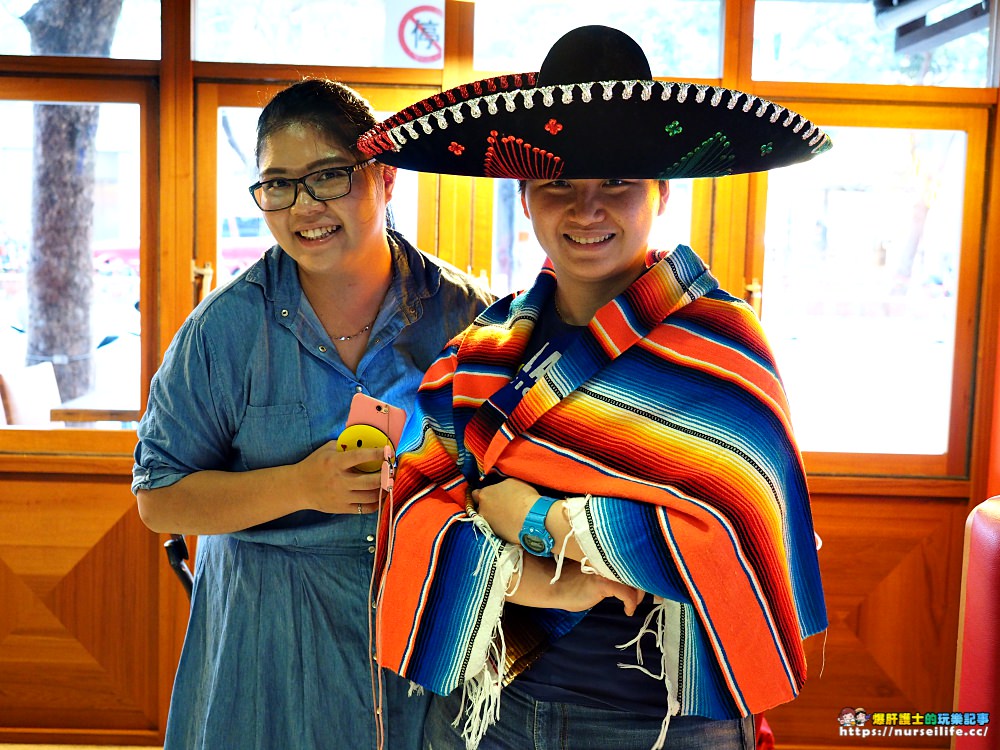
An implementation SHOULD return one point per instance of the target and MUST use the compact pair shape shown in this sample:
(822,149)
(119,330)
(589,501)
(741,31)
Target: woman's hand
(504,506)
(220,502)
(575,590)
(328,481)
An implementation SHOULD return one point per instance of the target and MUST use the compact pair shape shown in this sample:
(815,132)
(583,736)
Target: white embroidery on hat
(456,112)
(629,87)
(585,94)
(426,124)
(508,97)
(608,87)
(734,98)
(682,92)
(567,95)
(491,103)
(717,96)
(762,109)
(700,96)
(668,89)
(809,133)
(790,119)
(748,104)
(800,124)
(474,108)
(439,118)
(777,113)
(411,129)
(547,92)
(397,137)
(529,98)
(817,138)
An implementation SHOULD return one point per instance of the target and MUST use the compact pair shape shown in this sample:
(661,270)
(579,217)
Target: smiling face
(596,232)
(325,236)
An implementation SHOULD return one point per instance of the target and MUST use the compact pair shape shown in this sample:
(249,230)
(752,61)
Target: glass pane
(133,35)
(517,256)
(681,38)
(355,33)
(242,235)
(69,261)
(854,42)
(860,284)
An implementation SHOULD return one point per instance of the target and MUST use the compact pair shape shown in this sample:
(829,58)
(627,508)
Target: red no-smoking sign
(420,33)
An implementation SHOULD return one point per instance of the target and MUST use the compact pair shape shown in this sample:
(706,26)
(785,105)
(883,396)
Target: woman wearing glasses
(238,443)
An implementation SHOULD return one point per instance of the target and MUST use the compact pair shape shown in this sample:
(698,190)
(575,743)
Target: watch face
(533,544)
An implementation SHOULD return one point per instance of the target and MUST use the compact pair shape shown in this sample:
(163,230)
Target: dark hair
(336,110)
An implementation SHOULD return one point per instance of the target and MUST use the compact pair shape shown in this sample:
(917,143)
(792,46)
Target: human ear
(664,186)
(524,203)
(388,180)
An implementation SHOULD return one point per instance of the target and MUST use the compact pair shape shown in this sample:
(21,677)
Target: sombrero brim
(639,129)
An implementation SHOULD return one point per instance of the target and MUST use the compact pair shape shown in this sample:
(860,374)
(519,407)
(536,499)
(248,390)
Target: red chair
(977,687)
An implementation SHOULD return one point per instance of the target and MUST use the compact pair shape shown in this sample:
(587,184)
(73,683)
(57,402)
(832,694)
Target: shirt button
(284,313)
(370,538)
(322,348)
(371,549)
(358,389)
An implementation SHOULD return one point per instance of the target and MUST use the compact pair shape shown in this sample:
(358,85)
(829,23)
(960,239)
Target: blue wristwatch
(534,537)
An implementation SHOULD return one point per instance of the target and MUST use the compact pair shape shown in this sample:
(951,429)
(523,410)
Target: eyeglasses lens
(324,185)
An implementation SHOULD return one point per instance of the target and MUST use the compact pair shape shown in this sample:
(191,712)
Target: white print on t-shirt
(533,370)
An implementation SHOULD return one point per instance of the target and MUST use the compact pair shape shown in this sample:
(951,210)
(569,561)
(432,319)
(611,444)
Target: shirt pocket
(275,435)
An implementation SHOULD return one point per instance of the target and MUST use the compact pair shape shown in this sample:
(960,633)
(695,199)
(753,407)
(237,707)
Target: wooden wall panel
(79,631)
(892,573)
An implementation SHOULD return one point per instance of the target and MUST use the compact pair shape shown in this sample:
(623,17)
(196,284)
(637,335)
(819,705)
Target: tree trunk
(60,267)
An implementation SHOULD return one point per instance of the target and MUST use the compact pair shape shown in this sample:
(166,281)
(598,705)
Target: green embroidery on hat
(766,148)
(674,128)
(712,158)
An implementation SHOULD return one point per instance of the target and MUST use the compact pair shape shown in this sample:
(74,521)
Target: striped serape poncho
(666,426)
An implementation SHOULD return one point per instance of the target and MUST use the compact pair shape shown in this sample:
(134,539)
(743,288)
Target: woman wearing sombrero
(601,512)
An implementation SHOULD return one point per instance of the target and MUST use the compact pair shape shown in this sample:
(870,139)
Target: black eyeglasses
(323,185)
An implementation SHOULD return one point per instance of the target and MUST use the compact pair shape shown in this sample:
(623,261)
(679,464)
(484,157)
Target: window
(681,38)
(358,33)
(134,34)
(920,43)
(70,260)
(867,267)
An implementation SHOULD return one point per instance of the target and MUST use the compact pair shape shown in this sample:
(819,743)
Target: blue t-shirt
(582,666)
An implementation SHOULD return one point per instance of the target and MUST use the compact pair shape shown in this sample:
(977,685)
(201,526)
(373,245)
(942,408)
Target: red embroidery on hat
(478,87)
(491,84)
(438,100)
(451,96)
(456,148)
(509,156)
(553,126)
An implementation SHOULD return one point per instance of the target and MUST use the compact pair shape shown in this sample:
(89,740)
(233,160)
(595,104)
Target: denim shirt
(277,652)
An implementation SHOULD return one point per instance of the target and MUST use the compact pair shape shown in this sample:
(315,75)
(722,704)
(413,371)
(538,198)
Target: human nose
(304,200)
(587,204)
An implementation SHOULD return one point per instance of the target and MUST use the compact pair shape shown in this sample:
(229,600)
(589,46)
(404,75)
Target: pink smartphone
(385,418)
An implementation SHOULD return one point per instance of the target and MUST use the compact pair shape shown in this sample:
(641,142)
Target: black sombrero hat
(593,111)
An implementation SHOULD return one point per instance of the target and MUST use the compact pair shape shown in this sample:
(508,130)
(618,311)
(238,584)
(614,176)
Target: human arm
(219,502)
(573,591)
